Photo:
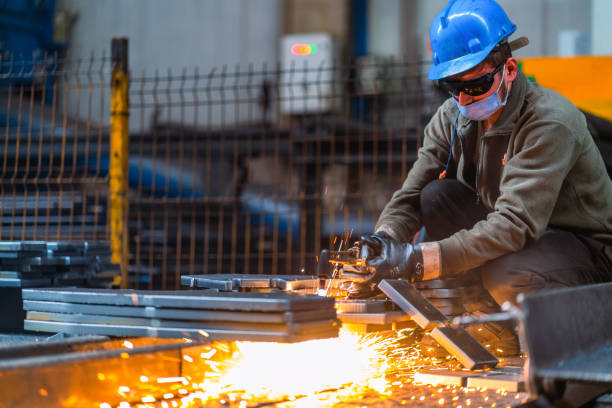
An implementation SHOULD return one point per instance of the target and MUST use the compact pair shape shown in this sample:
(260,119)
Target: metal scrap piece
(410,300)
(197,282)
(465,348)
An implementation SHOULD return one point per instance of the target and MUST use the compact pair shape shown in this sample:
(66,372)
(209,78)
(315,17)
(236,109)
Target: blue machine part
(26,28)
(26,40)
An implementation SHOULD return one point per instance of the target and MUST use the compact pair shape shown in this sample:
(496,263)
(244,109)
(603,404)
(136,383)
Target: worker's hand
(390,259)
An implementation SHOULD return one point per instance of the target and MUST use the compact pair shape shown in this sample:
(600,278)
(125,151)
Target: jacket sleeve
(544,153)
(401,216)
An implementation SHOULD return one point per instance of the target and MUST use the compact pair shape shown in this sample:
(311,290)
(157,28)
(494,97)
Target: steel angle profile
(456,340)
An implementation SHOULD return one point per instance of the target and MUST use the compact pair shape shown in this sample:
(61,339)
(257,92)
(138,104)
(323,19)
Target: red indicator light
(303,49)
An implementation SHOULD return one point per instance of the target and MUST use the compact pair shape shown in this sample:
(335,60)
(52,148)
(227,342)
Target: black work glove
(390,259)
(362,290)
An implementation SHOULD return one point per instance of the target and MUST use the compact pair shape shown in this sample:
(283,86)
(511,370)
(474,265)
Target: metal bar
(408,298)
(119,114)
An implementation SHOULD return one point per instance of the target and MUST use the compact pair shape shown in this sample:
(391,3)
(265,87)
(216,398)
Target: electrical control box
(306,80)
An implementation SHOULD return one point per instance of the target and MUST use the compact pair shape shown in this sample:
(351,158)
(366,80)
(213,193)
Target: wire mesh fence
(53,177)
(234,170)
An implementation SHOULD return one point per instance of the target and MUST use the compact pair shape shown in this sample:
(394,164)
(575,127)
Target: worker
(509,186)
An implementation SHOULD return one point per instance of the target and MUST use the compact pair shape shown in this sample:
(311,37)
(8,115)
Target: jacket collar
(510,113)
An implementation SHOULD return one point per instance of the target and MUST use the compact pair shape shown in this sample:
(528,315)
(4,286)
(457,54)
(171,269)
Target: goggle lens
(475,87)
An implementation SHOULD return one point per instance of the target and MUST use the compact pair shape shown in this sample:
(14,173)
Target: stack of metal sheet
(281,317)
(371,315)
(246,283)
(43,263)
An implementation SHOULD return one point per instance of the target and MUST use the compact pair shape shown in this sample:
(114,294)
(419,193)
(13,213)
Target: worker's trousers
(558,259)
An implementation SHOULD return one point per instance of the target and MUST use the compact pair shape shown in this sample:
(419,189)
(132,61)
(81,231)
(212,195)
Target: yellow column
(118,171)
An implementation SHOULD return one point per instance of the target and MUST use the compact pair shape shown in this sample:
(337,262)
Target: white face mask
(484,108)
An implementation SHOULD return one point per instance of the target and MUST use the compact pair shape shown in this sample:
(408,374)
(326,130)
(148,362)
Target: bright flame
(317,372)
(281,370)
(349,365)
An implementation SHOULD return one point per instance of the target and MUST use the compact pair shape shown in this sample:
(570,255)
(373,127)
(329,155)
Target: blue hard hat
(464,33)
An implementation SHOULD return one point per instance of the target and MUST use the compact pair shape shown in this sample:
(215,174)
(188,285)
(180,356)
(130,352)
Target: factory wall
(549,24)
(601,29)
(169,36)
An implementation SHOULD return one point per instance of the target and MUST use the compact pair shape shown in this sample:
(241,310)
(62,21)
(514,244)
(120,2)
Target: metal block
(145,331)
(264,302)
(181,314)
(44,261)
(498,381)
(196,282)
(465,348)
(442,376)
(24,283)
(568,333)
(362,305)
(12,246)
(374,318)
(19,254)
(97,248)
(66,248)
(19,275)
(408,298)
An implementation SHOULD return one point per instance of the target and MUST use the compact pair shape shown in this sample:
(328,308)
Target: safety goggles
(474,87)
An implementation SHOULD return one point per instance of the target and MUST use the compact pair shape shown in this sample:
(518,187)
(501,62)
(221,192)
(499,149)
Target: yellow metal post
(118,172)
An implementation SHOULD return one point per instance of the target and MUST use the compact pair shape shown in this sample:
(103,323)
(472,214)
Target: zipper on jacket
(478,167)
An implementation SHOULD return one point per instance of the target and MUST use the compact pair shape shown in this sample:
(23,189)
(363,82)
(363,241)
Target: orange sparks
(128,344)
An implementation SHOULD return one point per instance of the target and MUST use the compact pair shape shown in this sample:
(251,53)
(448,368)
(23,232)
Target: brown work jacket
(537,168)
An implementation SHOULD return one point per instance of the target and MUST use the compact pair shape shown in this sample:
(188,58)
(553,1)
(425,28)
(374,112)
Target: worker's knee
(505,279)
